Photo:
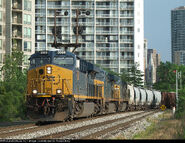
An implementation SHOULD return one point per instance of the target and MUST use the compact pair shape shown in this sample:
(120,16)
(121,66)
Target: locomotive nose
(41,71)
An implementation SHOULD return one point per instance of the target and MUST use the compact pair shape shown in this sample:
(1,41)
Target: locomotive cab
(49,83)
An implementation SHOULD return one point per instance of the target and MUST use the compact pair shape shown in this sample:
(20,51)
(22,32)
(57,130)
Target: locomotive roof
(91,67)
(51,53)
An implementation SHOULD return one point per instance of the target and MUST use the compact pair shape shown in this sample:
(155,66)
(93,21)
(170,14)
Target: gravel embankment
(62,128)
(134,129)
(96,129)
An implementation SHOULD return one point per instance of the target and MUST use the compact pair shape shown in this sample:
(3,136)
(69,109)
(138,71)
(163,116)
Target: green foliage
(167,82)
(12,89)
(180,113)
(167,77)
(111,72)
(133,76)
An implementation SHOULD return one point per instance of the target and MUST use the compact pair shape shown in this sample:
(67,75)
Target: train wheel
(62,115)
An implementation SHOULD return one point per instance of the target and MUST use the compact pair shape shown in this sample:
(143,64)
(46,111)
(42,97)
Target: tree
(12,88)
(167,77)
(133,76)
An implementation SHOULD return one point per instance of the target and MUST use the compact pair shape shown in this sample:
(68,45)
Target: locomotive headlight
(49,70)
(59,91)
(34,91)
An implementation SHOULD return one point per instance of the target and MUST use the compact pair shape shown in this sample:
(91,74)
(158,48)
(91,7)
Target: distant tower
(178,35)
(153,61)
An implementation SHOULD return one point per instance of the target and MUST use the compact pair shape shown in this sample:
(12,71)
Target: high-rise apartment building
(145,57)
(113,32)
(153,61)
(17,25)
(2,30)
(178,35)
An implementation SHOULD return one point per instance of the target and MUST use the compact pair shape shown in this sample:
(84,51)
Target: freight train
(62,86)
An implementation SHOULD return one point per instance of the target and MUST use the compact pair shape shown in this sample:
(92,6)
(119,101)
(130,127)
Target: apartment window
(27,5)
(27,19)
(27,32)
(25,59)
(0,44)
(27,46)
(1,58)
(0,3)
(0,30)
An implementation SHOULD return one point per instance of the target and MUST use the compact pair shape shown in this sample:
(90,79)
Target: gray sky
(158,25)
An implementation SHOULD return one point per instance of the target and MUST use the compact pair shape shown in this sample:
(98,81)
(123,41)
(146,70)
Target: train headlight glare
(34,91)
(49,70)
(59,91)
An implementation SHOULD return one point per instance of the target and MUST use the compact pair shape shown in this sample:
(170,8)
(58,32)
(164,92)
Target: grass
(163,127)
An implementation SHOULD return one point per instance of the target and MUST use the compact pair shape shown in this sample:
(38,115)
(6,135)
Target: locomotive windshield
(63,61)
(35,62)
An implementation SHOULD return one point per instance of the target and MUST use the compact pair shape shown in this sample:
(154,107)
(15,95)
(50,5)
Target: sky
(157,25)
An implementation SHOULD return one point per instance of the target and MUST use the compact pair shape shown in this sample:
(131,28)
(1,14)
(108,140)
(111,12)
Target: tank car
(137,98)
(157,99)
(150,98)
(131,101)
(143,98)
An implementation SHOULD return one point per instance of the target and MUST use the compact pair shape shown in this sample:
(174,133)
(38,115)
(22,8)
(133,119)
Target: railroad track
(96,130)
(77,129)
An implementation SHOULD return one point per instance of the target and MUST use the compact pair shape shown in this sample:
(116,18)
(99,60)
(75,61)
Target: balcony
(127,15)
(126,40)
(17,5)
(17,44)
(40,32)
(106,6)
(127,57)
(126,32)
(82,6)
(106,32)
(17,32)
(17,21)
(106,15)
(126,24)
(127,7)
(106,23)
(58,6)
(40,6)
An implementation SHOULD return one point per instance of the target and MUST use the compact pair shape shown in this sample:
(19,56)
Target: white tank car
(130,94)
(143,96)
(150,97)
(137,95)
(157,97)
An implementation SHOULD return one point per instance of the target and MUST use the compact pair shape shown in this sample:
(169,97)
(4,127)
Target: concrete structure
(17,27)
(178,35)
(145,57)
(179,57)
(113,34)
(153,61)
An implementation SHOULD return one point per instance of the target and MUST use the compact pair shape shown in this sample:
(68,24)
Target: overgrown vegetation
(12,88)
(167,82)
(133,76)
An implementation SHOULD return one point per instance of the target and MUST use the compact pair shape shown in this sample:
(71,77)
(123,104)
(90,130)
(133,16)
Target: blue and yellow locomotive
(62,86)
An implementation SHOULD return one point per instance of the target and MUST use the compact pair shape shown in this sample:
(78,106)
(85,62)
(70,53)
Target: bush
(12,88)
(180,113)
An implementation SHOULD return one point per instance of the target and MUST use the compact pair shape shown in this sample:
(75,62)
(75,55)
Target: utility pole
(180,76)
(176,89)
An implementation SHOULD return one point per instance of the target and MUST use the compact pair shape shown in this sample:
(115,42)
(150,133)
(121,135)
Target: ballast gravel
(96,129)
(62,128)
(134,128)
